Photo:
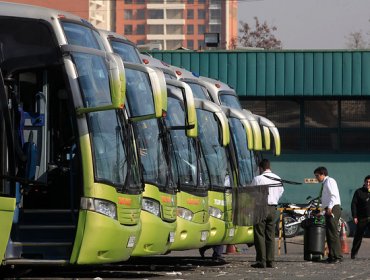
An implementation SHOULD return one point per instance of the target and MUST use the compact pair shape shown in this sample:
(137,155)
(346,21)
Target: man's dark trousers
(332,233)
(264,237)
(361,226)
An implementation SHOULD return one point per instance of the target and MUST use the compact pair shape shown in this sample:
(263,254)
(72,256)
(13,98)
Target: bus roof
(30,11)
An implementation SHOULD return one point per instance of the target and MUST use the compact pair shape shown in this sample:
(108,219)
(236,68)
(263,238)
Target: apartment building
(177,23)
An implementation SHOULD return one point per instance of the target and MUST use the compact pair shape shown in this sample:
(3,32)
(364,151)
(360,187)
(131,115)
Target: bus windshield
(126,51)
(139,93)
(184,153)
(81,35)
(214,153)
(113,162)
(114,153)
(230,100)
(244,157)
(93,78)
(199,91)
(152,155)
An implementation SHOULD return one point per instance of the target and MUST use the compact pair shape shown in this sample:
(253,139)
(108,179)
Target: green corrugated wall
(281,73)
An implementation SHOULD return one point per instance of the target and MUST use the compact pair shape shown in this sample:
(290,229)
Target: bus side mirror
(238,114)
(266,138)
(220,115)
(225,130)
(269,127)
(191,125)
(158,82)
(257,134)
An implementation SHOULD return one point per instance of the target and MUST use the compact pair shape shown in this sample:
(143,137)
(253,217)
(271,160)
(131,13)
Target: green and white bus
(214,138)
(159,206)
(246,138)
(191,174)
(192,199)
(70,182)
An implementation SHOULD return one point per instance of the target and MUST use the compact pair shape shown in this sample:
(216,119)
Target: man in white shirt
(264,231)
(330,200)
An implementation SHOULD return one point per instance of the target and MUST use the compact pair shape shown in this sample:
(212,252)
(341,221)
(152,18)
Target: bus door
(7,197)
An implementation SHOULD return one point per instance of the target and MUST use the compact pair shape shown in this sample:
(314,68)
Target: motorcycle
(297,213)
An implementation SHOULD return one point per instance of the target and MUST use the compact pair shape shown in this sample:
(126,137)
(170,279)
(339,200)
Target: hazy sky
(310,24)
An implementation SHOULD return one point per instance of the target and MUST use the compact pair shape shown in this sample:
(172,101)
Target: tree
(259,36)
(355,40)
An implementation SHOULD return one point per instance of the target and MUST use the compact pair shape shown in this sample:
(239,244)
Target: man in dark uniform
(264,231)
(360,207)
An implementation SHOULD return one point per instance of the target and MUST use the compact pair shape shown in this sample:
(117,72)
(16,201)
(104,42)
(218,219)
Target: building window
(190,44)
(140,29)
(156,29)
(201,29)
(140,1)
(215,14)
(173,44)
(316,126)
(127,14)
(175,29)
(157,43)
(190,29)
(190,1)
(155,14)
(201,1)
(140,14)
(201,14)
(215,28)
(175,14)
(128,1)
(128,29)
(140,42)
(155,1)
(190,14)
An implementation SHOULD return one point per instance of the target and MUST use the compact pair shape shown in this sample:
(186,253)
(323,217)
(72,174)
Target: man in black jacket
(360,207)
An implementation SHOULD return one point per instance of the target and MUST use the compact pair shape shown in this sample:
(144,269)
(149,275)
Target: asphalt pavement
(290,264)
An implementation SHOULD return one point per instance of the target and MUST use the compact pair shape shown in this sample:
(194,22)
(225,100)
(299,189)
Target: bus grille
(127,216)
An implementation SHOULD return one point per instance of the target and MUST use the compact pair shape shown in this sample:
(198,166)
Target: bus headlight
(101,206)
(184,213)
(150,205)
(215,212)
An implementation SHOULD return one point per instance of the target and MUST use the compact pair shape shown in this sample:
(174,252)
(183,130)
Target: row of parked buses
(108,154)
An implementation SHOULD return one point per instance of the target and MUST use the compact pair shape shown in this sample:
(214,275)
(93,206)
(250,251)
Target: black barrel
(314,238)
